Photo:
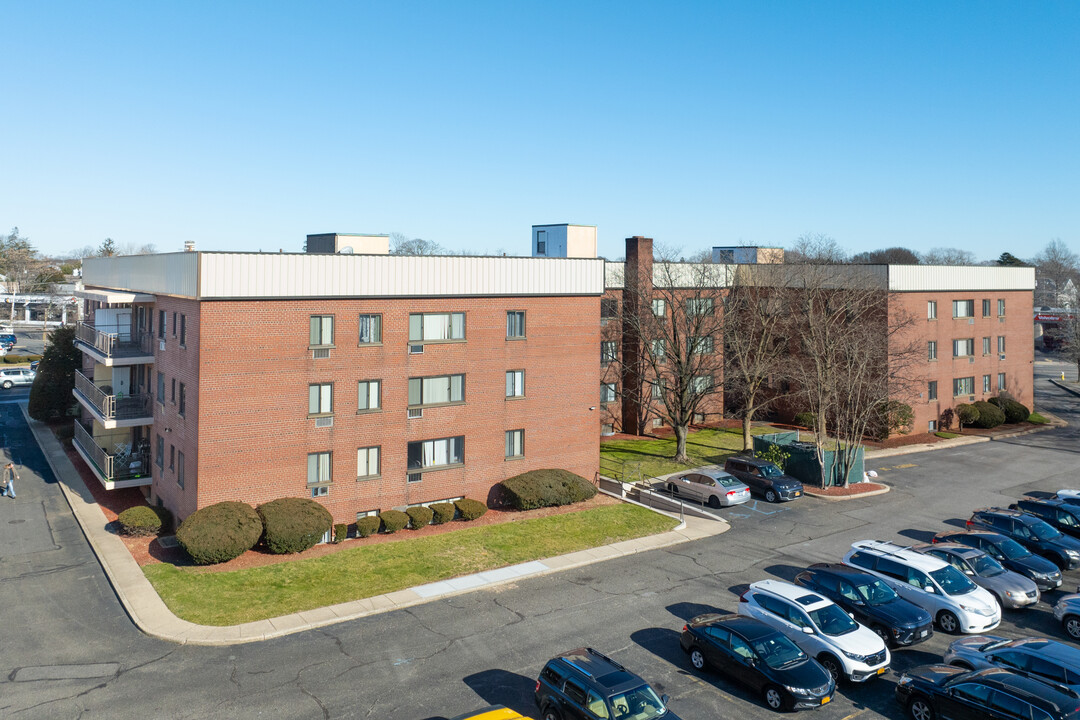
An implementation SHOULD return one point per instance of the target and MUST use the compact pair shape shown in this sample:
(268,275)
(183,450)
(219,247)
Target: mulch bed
(849,491)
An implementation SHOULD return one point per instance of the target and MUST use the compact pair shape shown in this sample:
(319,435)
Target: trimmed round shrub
(419,516)
(392,521)
(293,524)
(367,526)
(1014,411)
(140,521)
(990,416)
(967,414)
(805,419)
(546,488)
(470,509)
(220,532)
(443,512)
(341,532)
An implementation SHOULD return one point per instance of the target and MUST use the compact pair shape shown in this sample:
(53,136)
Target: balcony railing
(114,407)
(112,467)
(115,341)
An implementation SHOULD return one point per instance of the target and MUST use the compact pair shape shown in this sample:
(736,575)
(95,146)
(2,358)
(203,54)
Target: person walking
(9,478)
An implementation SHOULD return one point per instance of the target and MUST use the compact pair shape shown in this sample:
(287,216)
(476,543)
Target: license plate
(797,493)
(880,671)
(825,699)
(924,633)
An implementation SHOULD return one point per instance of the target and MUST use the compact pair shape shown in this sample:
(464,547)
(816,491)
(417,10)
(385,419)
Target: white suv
(819,627)
(956,603)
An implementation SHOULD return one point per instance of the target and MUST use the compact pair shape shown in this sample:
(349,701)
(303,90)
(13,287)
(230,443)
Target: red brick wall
(254,367)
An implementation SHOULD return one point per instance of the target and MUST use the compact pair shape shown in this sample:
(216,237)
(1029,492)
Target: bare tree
(1055,266)
(136,249)
(888,256)
(401,244)
(20,266)
(816,248)
(948,256)
(1066,338)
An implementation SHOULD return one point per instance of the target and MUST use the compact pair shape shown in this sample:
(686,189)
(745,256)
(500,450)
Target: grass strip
(633,460)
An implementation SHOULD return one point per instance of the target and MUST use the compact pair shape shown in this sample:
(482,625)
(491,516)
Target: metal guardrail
(111,467)
(113,407)
(115,340)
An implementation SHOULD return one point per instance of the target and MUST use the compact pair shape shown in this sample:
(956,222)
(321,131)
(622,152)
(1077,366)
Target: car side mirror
(930,589)
(808,630)
(851,615)
(664,699)
(858,602)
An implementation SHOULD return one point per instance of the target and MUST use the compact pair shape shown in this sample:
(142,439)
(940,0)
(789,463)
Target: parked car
(1060,514)
(34,365)
(870,601)
(760,657)
(585,683)
(943,691)
(1011,554)
(1031,532)
(1067,612)
(764,478)
(1070,496)
(8,340)
(717,488)
(818,626)
(11,377)
(1040,658)
(1012,590)
(494,712)
(957,604)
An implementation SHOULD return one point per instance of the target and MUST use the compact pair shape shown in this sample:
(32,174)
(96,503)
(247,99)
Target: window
(575,692)
(172,457)
(963,308)
(595,705)
(318,468)
(180,470)
(541,242)
(699,306)
(1001,344)
(515,383)
(1001,381)
(174,324)
(986,308)
(658,347)
(607,392)
(964,347)
(931,309)
(986,346)
(320,399)
(701,345)
(322,330)
(368,395)
(436,327)
(172,392)
(931,350)
(161,325)
(701,384)
(436,453)
(515,443)
(183,330)
(963,386)
(183,400)
(161,388)
(932,426)
(608,353)
(515,324)
(986,383)
(1001,307)
(159,453)
(367,462)
(438,390)
(658,390)
(609,307)
(659,307)
(370,329)
(931,390)
(320,491)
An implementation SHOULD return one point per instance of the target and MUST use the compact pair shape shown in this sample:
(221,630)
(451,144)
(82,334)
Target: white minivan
(819,627)
(955,602)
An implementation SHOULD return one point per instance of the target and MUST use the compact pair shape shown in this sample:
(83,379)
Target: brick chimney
(637,299)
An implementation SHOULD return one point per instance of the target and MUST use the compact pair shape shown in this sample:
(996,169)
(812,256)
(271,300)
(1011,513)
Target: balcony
(113,345)
(118,470)
(113,411)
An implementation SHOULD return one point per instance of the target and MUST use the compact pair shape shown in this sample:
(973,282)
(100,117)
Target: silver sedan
(714,487)
(1012,590)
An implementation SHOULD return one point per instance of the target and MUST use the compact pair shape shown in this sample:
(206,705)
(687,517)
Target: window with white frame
(428,454)
(701,345)
(159,454)
(370,329)
(659,307)
(931,309)
(436,327)
(369,395)
(932,426)
(986,308)
(607,392)
(931,390)
(515,383)
(318,468)
(438,390)
(986,383)
(658,348)
(931,350)
(1001,307)
(1001,381)
(608,353)
(367,462)
(963,308)
(963,386)
(320,399)
(658,390)
(515,443)
(699,306)
(963,347)
(1001,344)
(986,346)
(701,384)
(321,330)
(515,324)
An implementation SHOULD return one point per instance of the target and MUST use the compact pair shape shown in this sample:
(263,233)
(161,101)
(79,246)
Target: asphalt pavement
(67,650)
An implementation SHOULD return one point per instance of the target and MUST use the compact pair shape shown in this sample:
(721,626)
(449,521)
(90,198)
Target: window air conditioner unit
(320,353)
(971,321)
(415,477)
(416,413)
(1001,356)
(416,349)
(324,422)
(971,358)
(161,344)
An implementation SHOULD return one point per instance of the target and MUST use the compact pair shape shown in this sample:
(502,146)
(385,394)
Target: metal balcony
(113,345)
(118,470)
(113,411)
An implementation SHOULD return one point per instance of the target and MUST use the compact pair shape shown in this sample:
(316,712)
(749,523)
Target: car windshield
(952,581)
(987,566)
(777,651)
(1044,531)
(875,592)
(831,620)
(1012,549)
(770,471)
(638,704)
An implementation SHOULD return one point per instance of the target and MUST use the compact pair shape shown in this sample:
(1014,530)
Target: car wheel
(920,709)
(8,385)
(1061,562)
(697,659)
(714,502)
(771,496)
(774,698)
(832,665)
(1071,623)
(551,713)
(883,634)
(948,622)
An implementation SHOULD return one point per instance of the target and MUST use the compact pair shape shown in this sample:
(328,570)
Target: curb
(959,442)
(1066,388)
(837,498)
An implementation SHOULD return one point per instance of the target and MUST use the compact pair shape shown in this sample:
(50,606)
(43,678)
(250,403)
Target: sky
(247,125)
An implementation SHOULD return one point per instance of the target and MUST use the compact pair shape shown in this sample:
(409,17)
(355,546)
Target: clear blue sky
(245,126)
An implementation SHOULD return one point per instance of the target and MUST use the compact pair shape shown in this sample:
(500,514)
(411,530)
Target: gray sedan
(715,487)
(1012,590)
(1041,658)
(1067,612)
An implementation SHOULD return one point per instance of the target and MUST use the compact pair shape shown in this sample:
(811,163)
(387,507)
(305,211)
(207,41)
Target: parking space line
(854,714)
(905,465)
(710,686)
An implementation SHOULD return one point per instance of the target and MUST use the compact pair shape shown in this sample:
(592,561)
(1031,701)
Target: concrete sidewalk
(150,614)
(945,444)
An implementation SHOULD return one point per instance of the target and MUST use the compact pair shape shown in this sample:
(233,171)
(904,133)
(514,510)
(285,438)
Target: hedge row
(991,413)
(546,488)
(17,359)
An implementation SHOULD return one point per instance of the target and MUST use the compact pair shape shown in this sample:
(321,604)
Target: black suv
(933,691)
(1062,515)
(764,478)
(872,602)
(584,684)
(1009,553)
(1031,532)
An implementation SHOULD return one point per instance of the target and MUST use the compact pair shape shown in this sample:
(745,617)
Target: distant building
(747,255)
(564,241)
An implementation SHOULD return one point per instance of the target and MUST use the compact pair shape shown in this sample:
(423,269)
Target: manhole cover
(15,522)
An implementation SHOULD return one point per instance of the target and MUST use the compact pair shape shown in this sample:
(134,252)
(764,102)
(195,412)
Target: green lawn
(641,459)
(229,598)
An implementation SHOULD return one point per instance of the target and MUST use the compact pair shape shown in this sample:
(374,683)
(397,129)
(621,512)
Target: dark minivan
(1031,532)
(1009,553)
(1061,514)
(872,602)
(764,478)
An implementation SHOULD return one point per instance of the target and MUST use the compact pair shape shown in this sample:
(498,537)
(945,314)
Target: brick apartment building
(365,381)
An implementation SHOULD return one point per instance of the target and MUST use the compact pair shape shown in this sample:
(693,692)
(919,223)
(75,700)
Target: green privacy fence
(803,463)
